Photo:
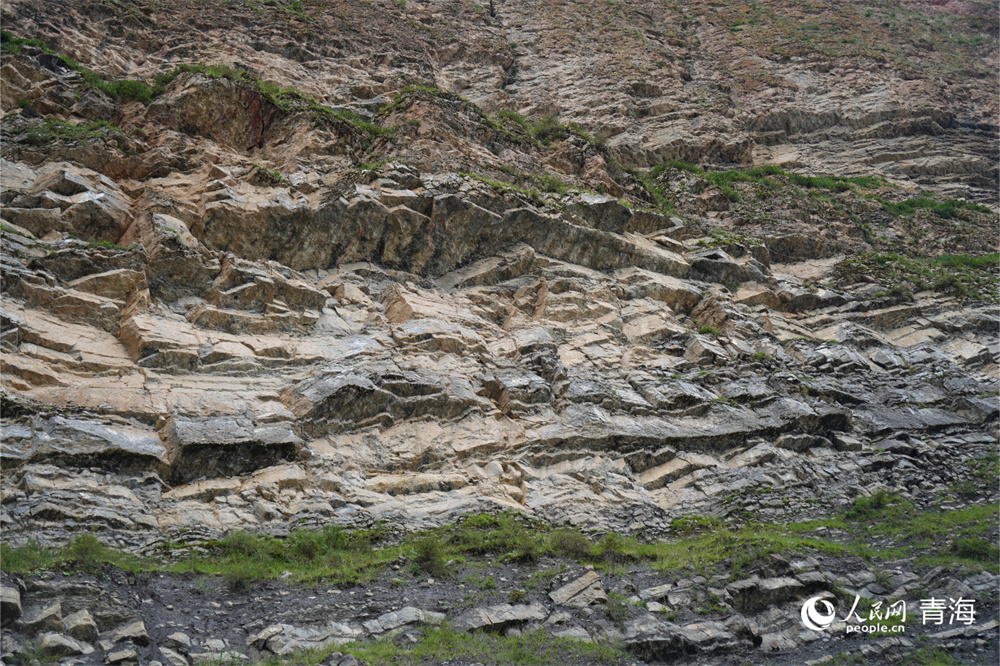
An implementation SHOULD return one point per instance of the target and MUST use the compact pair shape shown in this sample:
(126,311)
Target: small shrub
(613,548)
(513,116)
(239,575)
(24,559)
(570,543)
(616,611)
(550,183)
(87,552)
(709,330)
(868,507)
(979,550)
(430,556)
(549,129)
(518,596)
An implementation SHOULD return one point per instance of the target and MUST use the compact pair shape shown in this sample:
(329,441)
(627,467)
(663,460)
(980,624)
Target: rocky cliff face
(279,265)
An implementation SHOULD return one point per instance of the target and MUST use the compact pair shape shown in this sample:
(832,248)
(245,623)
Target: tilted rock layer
(238,307)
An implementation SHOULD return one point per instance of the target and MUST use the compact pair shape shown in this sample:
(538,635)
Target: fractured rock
(582,592)
(497,618)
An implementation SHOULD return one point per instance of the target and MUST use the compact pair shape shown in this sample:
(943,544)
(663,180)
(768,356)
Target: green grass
(111,245)
(931,656)
(735,550)
(124,89)
(85,553)
(273,174)
(946,209)
(500,186)
(984,476)
(987,261)
(768,175)
(515,117)
(444,644)
(689,525)
(963,276)
(885,517)
(49,130)
(286,99)
(709,330)
(954,539)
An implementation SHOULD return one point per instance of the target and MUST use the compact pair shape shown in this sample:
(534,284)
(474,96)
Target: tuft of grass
(688,525)
(549,129)
(273,174)
(709,330)
(865,508)
(976,549)
(984,476)
(986,261)
(515,117)
(931,656)
(571,544)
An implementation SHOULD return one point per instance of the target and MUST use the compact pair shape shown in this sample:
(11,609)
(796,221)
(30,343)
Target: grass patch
(984,476)
(286,99)
(963,276)
(84,553)
(689,525)
(430,554)
(332,554)
(768,175)
(931,656)
(946,209)
(986,261)
(24,233)
(549,129)
(51,130)
(515,117)
(444,644)
(273,174)
(736,550)
(500,186)
(955,539)
(123,89)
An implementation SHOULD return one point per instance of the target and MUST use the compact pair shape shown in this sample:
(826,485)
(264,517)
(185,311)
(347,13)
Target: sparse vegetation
(946,209)
(429,556)
(443,643)
(960,275)
(50,129)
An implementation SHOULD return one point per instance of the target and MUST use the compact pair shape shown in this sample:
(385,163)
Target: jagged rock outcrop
(272,266)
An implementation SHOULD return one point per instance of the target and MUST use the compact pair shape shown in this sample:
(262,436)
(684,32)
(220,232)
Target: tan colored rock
(115,284)
(580,593)
(81,626)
